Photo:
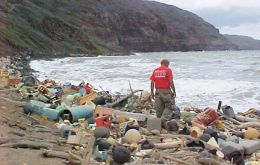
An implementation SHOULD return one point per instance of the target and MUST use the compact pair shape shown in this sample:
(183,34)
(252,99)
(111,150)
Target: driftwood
(210,161)
(88,151)
(246,119)
(230,119)
(20,103)
(28,144)
(59,154)
(169,145)
(17,133)
(137,116)
(250,124)
(6,140)
(176,160)
(123,98)
(177,136)
(8,90)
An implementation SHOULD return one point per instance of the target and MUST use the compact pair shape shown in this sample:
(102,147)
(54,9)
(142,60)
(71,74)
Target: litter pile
(99,128)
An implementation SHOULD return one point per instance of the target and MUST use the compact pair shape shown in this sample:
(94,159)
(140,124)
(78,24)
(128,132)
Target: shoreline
(23,123)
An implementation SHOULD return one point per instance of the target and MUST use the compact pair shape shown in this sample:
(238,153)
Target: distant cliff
(102,27)
(244,42)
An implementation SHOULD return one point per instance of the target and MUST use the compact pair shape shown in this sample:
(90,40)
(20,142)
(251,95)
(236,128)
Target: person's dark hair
(165,62)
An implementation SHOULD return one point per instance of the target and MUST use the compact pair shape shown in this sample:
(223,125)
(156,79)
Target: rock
(250,146)
(155,132)
(133,136)
(121,155)
(233,152)
(133,146)
(234,139)
(212,132)
(112,141)
(251,133)
(195,143)
(205,137)
(149,160)
(154,124)
(101,132)
(147,145)
(102,144)
(156,155)
(121,119)
(227,110)
(99,100)
(172,125)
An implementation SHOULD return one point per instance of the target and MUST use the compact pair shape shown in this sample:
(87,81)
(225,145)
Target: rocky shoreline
(83,126)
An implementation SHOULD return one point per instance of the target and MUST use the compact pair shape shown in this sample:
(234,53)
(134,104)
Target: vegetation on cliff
(102,27)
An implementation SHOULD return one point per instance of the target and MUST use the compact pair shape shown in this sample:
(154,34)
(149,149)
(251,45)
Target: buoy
(251,133)
(133,136)
(121,155)
(101,132)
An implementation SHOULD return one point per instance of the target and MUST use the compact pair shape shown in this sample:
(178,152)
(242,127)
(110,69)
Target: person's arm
(172,87)
(152,89)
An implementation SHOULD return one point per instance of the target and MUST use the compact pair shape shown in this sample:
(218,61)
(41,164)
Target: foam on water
(201,78)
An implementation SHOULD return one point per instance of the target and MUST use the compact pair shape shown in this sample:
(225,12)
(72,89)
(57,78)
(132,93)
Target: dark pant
(164,104)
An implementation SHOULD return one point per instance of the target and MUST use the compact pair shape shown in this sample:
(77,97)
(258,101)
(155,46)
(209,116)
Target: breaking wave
(228,78)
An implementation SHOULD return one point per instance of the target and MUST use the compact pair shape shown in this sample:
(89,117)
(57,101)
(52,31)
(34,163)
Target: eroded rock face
(104,26)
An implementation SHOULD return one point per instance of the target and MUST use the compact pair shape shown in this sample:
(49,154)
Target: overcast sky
(229,16)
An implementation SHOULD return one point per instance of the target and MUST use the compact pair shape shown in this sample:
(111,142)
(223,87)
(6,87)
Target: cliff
(244,42)
(102,27)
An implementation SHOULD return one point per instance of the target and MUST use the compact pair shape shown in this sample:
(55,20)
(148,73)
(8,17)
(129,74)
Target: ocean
(201,78)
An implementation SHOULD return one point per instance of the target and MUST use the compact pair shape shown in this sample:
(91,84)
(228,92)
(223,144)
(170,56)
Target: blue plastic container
(79,112)
(52,114)
(36,106)
(39,108)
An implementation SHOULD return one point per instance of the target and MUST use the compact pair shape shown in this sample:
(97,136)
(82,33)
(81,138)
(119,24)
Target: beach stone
(228,110)
(102,144)
(147,145)
(234,139)
(149,160)
(205,137)
(233,151)
(250,146)
(101,132)
(155,132)
(112,141)
(121,154)
(133,136)
(258,113)
(156,155)
(212,132)
(154,123)
(172,125)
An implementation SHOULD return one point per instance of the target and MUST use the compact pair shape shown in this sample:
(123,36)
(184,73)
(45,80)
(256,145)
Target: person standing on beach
(164,96)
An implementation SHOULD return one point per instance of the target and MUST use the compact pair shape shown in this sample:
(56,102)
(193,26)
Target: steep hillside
(244,42)
(102,26)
